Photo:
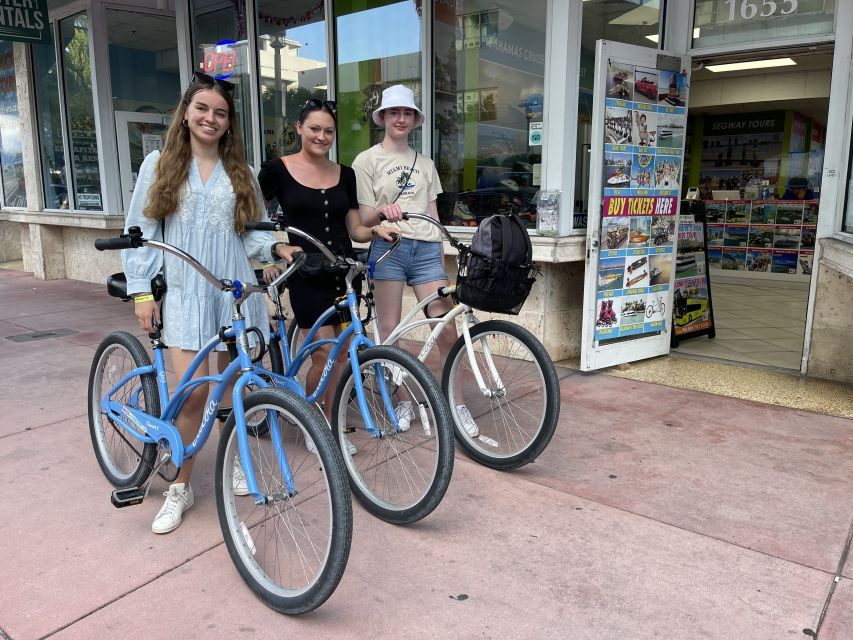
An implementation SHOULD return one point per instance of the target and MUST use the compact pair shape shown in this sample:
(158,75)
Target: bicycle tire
(422,456)
(502,443)
(124,460)
(318,513)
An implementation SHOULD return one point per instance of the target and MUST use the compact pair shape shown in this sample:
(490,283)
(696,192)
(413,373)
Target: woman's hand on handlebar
(391,212)
(385,233)
(271,273)
(285,251)
(147,313)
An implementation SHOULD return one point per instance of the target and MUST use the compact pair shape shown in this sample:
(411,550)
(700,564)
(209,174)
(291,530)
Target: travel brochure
(644,121)
(691,302)
(762,236)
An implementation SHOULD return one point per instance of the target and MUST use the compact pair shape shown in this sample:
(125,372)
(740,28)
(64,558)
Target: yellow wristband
(145,297)
(269,265)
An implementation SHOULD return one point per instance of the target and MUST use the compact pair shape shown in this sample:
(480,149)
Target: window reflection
(74,38)
(220,37)
(629,22)
(50,127)
(729,22)
(11,161)
(489,88)
(292,57)
(376,48)
(144,100)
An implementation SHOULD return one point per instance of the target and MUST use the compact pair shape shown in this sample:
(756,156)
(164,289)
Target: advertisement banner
(644,112)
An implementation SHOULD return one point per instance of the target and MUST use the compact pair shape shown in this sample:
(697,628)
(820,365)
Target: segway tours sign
(639,121)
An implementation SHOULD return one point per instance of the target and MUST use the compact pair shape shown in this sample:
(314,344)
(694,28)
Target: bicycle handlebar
(133,240)
(130,240)
(274,225)
(420,216)
(336,261)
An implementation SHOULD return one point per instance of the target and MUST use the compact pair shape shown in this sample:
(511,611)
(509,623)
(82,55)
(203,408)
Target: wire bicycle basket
(491,284)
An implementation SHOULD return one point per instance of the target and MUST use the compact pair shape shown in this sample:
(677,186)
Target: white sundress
(203,227)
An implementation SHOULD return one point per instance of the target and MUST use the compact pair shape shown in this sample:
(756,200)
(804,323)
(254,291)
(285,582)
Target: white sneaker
(467,421)
(238,478)
(309,444)
(178,499)
(404,414)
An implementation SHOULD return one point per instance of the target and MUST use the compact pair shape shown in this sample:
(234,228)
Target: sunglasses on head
(316,103)
(203,78)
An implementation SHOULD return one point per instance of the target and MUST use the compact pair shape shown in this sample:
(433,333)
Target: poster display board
(692,310)
(639,120)
(765,239)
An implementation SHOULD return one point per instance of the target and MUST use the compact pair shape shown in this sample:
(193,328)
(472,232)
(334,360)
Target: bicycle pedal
(222,414)
(127,497)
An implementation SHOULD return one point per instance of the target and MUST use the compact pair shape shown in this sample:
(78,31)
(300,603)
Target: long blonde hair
(173,168)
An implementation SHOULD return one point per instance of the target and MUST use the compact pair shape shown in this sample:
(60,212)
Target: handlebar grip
(299,258)
(383,218)
(261,225)
(113,244)
(395,236)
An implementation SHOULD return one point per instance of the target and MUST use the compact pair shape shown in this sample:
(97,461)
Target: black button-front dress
(322,213)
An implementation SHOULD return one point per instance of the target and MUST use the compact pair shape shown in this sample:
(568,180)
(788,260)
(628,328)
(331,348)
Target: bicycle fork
(498,391)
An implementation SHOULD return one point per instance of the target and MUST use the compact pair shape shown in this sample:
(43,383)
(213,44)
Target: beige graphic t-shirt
(381,175)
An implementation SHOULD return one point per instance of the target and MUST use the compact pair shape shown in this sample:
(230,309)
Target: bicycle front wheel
(292,549)
(399,476)
(510,422)
(125,461)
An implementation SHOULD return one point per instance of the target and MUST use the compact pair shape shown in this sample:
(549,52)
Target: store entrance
(754,150)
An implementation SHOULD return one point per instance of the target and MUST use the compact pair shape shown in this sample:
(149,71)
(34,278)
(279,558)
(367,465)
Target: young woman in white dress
(197,194)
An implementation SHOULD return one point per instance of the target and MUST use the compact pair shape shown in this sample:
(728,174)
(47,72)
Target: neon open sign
(220,61)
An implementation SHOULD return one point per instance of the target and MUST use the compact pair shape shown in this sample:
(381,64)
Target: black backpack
(497,272)
(503,237)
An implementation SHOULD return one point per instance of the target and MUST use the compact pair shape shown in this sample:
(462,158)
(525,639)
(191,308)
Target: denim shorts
(414,261)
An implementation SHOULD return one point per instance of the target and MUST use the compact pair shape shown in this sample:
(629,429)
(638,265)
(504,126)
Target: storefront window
(50,127)
(74,39)
(144,70)
(635,23)
(489,88)
(11,162)
(376,48)
(221,51)
(293,63)
(146,86)
(725,22)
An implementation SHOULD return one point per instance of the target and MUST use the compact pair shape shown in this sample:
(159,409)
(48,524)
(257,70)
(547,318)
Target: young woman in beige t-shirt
(392,178)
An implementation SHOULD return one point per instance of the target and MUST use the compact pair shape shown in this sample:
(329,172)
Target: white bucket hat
(398,96)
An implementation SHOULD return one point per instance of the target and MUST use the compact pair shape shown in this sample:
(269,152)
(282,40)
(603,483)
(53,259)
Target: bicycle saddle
(117,286)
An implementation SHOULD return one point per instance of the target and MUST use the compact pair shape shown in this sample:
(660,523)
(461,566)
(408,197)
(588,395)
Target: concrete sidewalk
(655,512)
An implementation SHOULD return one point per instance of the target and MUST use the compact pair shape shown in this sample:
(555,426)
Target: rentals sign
(24,21)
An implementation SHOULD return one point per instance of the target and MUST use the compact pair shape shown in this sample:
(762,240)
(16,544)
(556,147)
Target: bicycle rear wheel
(512,422)
(292,549)
(402,476)
(125,461)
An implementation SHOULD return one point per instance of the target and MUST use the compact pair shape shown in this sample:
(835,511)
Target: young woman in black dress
(318,196)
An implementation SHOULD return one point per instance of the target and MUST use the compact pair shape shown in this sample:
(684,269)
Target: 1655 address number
(750,9)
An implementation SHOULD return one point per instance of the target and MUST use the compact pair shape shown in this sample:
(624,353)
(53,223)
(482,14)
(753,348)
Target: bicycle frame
(147,428)
(468,320)
(408,323)
(354,330)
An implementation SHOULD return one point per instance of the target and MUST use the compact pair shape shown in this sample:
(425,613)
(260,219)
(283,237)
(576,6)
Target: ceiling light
(754,64)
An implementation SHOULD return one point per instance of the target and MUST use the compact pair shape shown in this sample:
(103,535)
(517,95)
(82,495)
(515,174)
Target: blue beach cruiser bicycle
(399,462)
(290,536)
